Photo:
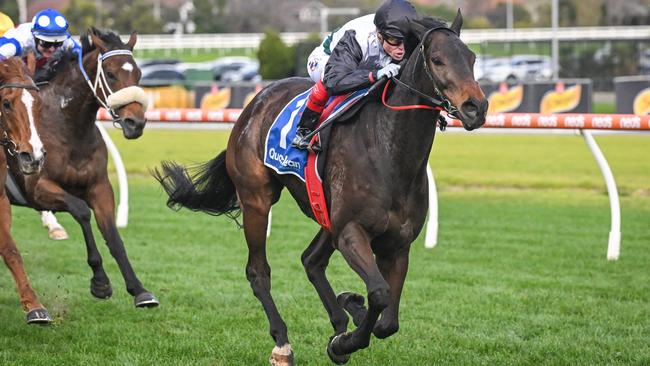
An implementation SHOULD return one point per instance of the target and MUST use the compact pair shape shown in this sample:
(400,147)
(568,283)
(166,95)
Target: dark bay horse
(75,177)
(375,184)
(19,115)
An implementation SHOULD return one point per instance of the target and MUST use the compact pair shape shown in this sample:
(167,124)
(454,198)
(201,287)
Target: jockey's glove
(388,71)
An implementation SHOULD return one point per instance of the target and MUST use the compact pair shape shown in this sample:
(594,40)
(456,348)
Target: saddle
(309,165)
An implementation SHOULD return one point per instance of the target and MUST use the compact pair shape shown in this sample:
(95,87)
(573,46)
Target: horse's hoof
(58,233)
(337,359)
(101,291)
(39,316)
(353,304)
(345,298)
(281,356)
(146,300)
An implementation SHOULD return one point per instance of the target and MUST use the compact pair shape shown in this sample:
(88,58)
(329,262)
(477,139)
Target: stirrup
(299,140)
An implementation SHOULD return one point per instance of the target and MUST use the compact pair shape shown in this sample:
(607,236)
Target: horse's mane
(413,38)
(62,59)
(13,66)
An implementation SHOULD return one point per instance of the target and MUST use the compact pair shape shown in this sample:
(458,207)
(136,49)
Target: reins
(439,103)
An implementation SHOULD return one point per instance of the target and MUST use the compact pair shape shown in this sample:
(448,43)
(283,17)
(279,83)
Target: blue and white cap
(50,26)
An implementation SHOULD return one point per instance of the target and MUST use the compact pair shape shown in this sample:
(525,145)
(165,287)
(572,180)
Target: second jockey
(353,57)
(45,34)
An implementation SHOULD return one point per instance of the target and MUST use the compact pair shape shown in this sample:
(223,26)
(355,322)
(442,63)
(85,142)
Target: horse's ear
(30,60)
(417,28)
(97,42)
(131,43)
(458,23)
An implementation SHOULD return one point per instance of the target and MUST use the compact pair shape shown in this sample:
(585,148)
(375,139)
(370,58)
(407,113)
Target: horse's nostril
(25,157)
(470,108)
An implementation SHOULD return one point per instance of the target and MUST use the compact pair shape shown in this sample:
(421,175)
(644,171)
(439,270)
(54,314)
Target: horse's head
(19,109)
(449,66)
(116,79)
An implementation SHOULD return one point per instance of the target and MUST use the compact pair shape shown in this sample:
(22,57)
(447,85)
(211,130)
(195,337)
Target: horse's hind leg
(36,313)
(315,260)
(51,196)
(102,202)
(255,206)
(354,244)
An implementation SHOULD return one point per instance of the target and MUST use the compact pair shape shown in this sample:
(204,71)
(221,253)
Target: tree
(126,16)
(208,16)
(497,16)
(10,8)
(81,15)
(277,60)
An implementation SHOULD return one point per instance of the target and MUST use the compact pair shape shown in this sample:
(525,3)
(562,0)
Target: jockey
(47,32)
(353,57)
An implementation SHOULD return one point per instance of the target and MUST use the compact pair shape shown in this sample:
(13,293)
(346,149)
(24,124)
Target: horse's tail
(205,187)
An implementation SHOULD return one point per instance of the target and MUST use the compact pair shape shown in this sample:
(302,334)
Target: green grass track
(519,276)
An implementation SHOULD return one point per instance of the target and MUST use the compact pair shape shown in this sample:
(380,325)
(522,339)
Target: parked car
(249,73)
(226,65)
(644,62)
(161,75)
(156,61)
(513,69)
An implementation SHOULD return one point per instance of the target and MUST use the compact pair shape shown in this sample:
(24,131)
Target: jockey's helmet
(49,25)
(392,18)
(5,23)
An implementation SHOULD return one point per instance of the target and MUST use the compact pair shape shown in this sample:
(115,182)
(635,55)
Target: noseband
(102,84)
(5,141)
(440,101)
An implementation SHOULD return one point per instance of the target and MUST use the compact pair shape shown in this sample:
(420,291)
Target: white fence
(252,40)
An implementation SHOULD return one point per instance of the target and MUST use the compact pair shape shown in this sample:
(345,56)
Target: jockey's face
(393,47)
(46,48)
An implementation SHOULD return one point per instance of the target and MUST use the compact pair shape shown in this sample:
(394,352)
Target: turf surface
(519,276)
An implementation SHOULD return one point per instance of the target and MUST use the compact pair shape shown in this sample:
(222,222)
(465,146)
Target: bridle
(5,140)
(439,101)
(101,83)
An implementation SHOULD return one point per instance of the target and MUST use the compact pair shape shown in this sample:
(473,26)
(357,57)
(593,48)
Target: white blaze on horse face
(34,139)
(127,66)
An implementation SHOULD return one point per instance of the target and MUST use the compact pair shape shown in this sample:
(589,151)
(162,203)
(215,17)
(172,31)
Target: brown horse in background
(75,177)
(375,185)
(19,114)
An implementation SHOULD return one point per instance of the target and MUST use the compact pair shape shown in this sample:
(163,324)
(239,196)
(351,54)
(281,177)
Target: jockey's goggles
(47,44)
(393,41)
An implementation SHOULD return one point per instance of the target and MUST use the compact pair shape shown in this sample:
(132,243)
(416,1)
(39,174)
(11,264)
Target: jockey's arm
(71,44)
(12,43)
(344,71)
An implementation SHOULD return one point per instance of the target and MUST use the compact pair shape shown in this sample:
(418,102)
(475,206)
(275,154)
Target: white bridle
(113,100)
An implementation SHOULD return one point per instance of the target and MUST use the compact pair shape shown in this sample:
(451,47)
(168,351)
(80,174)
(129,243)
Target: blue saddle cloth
(279,155)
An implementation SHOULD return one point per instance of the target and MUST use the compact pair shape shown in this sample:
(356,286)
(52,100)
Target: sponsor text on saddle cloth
(280,156)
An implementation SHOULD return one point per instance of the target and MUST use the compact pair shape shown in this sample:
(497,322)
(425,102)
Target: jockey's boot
(306,125)
(316,101)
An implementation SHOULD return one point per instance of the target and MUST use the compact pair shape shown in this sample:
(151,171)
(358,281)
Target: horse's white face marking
(127,66)
(34,139)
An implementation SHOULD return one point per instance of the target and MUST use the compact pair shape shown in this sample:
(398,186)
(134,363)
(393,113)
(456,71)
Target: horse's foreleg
(255,210)
(102,202)
(354,244)
(49,195)
(315,260)
(393,268)
(36,313)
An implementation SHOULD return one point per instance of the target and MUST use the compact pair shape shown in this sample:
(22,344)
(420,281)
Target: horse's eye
(110,75)
(438,62)
(6,105)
